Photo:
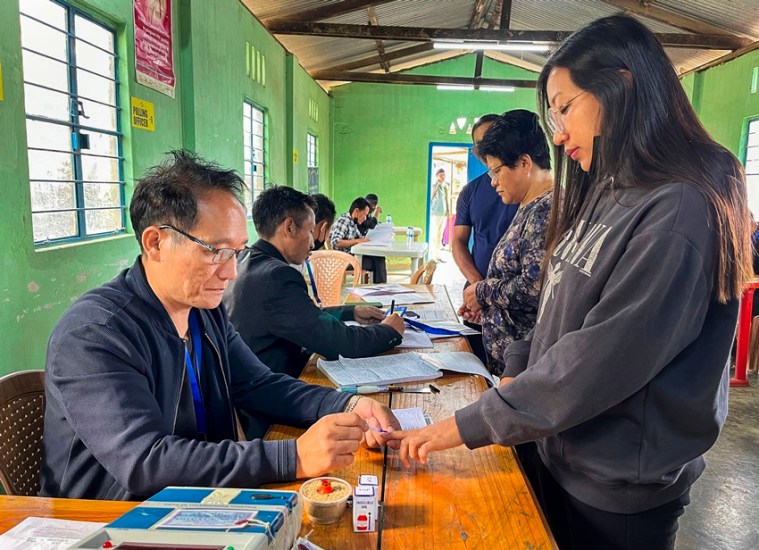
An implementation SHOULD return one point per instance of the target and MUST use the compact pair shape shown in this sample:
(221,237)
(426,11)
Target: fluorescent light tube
(497,88)
(454,87)
(507,47)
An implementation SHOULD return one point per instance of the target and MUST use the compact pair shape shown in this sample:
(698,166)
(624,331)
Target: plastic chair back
(423,275)
(329,267)
(22,412)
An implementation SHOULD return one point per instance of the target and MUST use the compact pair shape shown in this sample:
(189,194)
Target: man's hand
(379,416)
(361,240)
(470,298)
(329,444)
(418,444)
(367,315)
(396,322)
(377,212)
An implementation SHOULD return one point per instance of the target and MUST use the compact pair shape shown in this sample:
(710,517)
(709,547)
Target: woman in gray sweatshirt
(623,382)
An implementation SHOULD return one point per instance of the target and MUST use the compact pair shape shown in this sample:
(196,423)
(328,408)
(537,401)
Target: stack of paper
(381,235)
(388,293)
(381,370)
(403,367)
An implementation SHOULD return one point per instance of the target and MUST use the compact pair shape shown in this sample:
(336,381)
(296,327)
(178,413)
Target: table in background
(459,499)
(414,250)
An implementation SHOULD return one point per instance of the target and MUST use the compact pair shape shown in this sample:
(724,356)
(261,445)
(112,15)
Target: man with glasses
(144,374)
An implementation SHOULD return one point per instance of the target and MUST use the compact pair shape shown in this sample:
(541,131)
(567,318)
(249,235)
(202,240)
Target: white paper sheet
(413,339)
(403,299)
(46,534)
(380,370)
(379,290)
(411,419)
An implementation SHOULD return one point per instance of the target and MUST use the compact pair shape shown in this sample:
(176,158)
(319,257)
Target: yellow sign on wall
(1,81)
(295,156)
(143,114)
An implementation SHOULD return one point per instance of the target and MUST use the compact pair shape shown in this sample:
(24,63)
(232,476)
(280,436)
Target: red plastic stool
(744,335)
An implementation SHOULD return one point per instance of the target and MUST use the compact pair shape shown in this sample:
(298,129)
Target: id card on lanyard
(193,368)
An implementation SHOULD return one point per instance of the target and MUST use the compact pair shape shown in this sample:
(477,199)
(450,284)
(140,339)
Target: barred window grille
(74,141)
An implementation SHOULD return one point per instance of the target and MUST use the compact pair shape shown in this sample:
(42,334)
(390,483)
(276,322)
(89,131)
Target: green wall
(304,121)
(210,41)
(382,133)
(722,97)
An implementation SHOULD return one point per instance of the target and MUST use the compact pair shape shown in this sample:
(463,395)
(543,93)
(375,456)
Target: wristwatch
(352,402)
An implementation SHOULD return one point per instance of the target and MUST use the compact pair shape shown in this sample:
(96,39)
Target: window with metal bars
(74,142)
(752,167)
(312,163)
(254,152)
(311,148)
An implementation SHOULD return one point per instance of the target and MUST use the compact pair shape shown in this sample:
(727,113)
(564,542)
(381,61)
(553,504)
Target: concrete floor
(724,509)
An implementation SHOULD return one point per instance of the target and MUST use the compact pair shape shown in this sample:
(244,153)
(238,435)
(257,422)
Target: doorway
(451,166)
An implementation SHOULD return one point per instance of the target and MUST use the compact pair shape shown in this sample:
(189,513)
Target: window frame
(249,159)
(312,138)
(75,126)
(747,149)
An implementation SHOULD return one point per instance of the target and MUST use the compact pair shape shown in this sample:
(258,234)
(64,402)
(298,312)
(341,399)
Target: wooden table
(459,499)
(14,510)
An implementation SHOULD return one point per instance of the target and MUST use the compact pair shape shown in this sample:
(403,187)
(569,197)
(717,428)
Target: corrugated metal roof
(739,17)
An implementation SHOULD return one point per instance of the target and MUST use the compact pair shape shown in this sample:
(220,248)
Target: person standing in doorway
(479,209)
(439,209)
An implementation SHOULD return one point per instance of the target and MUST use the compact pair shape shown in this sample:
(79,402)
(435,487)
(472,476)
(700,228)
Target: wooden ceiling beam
(377,60)
(424,34)
(663,15)
(478,14)
(380,45)
(403,78)
(331,10)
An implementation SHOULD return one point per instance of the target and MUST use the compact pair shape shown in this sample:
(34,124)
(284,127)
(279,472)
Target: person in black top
(372,219)
(324,218)
(269,303)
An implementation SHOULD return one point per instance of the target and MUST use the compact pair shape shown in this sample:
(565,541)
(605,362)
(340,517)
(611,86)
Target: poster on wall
(153,51)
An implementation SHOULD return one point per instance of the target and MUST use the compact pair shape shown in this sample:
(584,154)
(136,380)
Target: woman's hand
(470,299)
(418,444)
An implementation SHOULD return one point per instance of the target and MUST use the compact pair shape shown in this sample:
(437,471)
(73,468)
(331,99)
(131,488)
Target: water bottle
(388,219)
(409,236)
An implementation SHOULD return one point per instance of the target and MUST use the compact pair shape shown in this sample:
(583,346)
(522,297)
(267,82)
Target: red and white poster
(154,55)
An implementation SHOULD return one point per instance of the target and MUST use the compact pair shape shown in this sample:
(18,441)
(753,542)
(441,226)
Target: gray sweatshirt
(623,382)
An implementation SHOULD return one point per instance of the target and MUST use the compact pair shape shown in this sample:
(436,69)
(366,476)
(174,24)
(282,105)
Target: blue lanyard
(313,282)
(197,400)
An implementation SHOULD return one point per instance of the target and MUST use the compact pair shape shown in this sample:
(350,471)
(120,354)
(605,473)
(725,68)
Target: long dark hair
(650,136)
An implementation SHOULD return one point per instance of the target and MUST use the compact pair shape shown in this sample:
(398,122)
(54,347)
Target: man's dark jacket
(120,423)
(271,309)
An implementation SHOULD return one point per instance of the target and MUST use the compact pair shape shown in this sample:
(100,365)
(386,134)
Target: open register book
(401,367)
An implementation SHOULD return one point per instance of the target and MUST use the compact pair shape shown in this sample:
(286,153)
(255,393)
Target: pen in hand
(392,306)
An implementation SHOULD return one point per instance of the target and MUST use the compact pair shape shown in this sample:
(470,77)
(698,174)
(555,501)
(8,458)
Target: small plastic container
(409,236)
(329,507)
(388,219)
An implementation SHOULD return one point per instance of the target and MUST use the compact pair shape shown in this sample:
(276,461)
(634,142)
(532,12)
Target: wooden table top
(459,499)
